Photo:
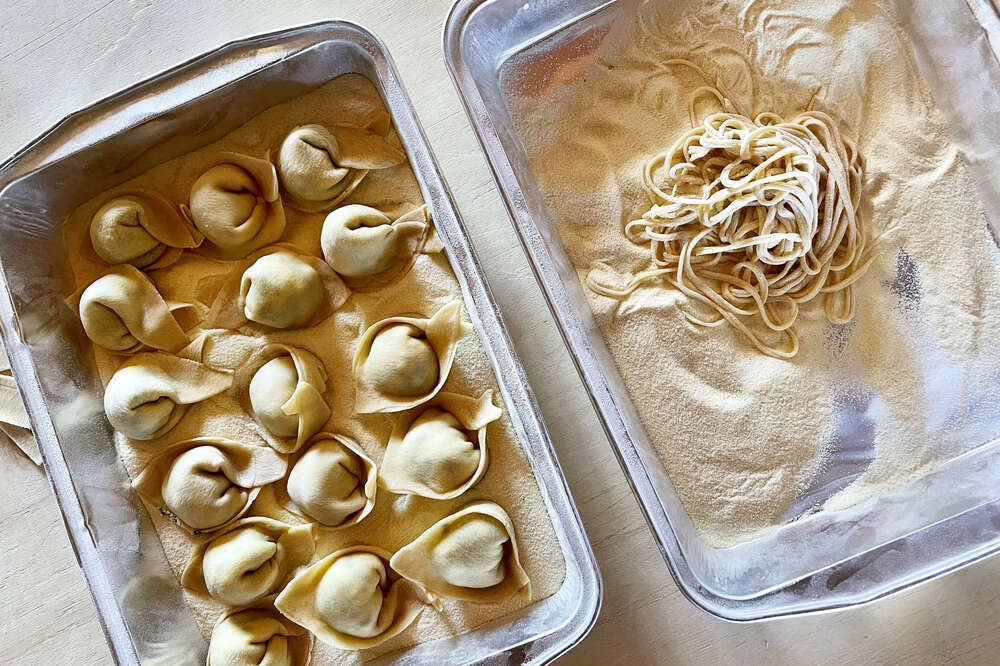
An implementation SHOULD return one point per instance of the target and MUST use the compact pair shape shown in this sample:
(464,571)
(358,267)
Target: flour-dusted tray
(137,596)
(818,560)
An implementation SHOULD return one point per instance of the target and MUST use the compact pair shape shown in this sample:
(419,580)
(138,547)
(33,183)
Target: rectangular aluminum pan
(823,560)
(138,598)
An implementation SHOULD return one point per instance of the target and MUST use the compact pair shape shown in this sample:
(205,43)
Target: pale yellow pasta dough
(281,290)
(142,228)
(333,481)
(471,555)
(149,394)
(369,248)
(320,166)
(235,204)
(123,311)
(279,286)
(283,387)
(248,560)
(402,362)
(207,482)
(438,450)
(351,599)
(260,636)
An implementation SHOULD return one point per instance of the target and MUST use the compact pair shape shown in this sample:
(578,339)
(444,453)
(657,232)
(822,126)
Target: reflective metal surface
(137,596)
(818,560)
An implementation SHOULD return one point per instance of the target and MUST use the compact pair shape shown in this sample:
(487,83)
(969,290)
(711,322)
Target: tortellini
(283,388)
(470,555)
(236,205)
(351,599)
(248,560)
(143,229)
(333,481)
(320,167)
(205,483)
(278,286)
(368,248)
(258,636)
(123,312)
(149,394)
(402,362)
(438,450)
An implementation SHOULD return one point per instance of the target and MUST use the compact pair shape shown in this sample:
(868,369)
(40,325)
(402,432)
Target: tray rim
(731,609)
(528,415)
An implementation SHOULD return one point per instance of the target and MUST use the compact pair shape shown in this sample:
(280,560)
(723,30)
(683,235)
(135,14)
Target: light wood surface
(58,56)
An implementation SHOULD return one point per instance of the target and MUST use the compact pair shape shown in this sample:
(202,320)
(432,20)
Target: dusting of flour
(746,438)
(396,520)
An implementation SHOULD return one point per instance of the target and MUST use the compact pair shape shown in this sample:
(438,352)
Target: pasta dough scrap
(369,249)
(278,286)
(148,395)
(206,483)
(283,388)
(351,599)
(331,481)
(258,635)
(11,407)
(123,312)
(236,205)
(402,362)
(141,228)
(470,555)
(248,560)
(438,450)
(319,166)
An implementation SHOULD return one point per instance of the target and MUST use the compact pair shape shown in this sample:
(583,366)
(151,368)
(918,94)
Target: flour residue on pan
(749,441)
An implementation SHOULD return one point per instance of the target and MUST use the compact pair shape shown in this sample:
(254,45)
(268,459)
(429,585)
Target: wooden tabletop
(57,58)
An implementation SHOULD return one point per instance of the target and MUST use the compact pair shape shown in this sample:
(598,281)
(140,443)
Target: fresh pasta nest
(283,388)
(248,560)
(236,205)
(402,362)
(351,599)
(278,286)
(438,450)
(471,555)
(751,218)
(148,395)
(319,166)
(258,634)
(141,228)
(205,483)
(331,481)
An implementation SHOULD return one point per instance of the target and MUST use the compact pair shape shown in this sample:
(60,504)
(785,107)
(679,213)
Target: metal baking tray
(819,561)
(138,598)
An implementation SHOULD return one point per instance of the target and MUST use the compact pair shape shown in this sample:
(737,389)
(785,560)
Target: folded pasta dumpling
(367,247)
(402,362)
(149,394)
(283,387)
(141,228)
(122,311)
(236,205)
(248,560)
(470,555)
(258,636)
(331,481)
(319,167)
(279,286)
(438,450)
(205,483)
(351,599)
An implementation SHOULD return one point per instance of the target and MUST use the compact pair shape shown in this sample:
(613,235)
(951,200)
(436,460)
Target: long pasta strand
(754,217)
